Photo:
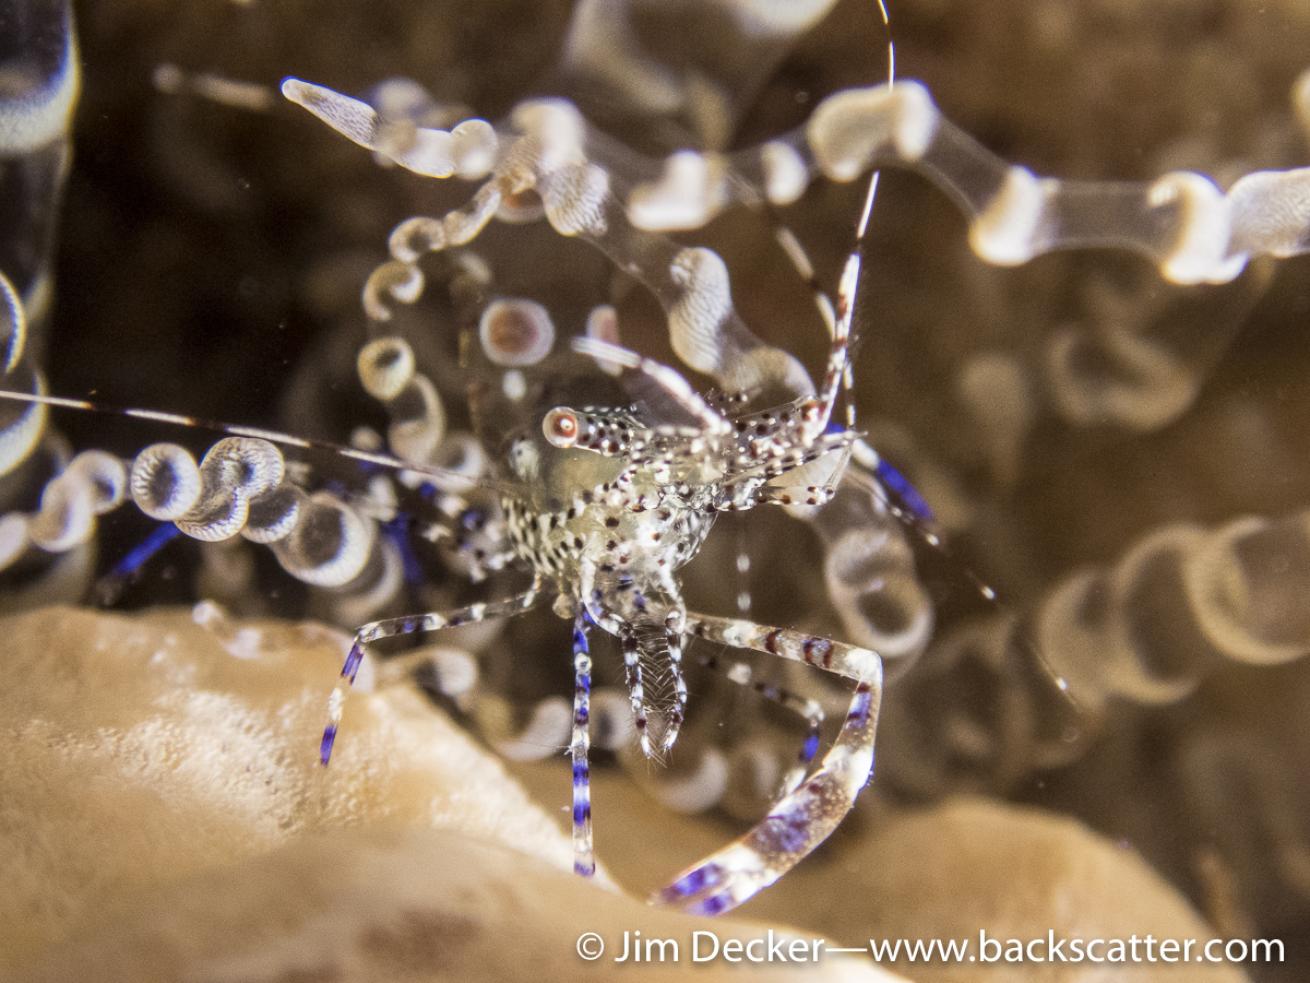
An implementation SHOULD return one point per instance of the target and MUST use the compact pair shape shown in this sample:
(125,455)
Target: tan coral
(140,750)
(972,865)
(165,817)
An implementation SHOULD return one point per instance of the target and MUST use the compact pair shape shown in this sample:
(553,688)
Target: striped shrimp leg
(584,860)
(816,412)
(808,710)
(633,679)
(678,713)
(838,373)
(600,604)
(805,817)
(409,625)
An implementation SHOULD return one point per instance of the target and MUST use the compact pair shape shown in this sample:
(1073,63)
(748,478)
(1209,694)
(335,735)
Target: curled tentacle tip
(515,332)
(606,352)
(297,90)
(13,324)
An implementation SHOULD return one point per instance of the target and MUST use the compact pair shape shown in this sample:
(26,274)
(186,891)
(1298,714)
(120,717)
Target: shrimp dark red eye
(561,427)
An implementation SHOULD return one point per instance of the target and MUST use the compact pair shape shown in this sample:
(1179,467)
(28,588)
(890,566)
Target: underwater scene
(534,489)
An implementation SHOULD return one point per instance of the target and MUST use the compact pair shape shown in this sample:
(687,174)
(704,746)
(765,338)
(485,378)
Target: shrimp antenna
(445,479)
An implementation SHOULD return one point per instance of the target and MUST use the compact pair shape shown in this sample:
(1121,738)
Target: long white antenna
(442,477)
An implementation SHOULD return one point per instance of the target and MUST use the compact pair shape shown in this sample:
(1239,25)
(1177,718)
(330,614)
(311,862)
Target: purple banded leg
(805,817)
(393,627)
(743,674)
(109,588)
(598,607)
(584,860)
(895,493)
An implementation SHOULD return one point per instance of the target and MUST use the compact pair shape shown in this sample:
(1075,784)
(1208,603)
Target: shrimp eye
(560,427)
